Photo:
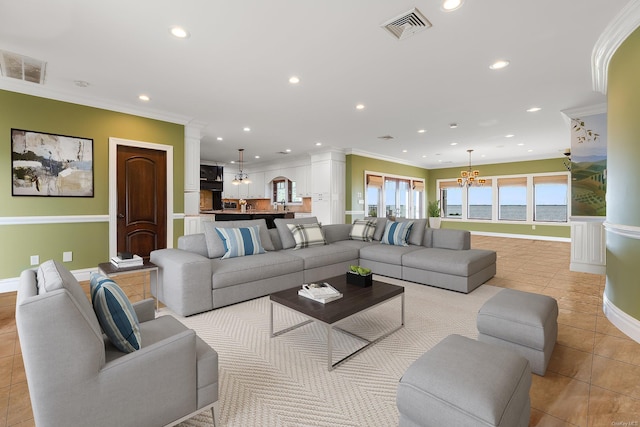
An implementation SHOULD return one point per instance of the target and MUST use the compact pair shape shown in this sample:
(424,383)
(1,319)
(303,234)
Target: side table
(110,270)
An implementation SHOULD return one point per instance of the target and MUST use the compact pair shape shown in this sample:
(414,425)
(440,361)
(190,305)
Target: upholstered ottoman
(464,382)
(523,321)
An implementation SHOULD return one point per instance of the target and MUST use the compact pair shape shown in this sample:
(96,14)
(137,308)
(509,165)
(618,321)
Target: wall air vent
(16,66)
(407,24)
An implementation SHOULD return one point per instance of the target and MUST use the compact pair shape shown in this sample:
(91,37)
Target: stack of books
(321,292)
(134,261)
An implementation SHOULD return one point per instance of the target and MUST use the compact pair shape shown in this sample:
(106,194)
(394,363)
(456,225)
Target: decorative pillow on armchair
(306,235)
(115,313)
(240,241)
(362,229)
(396,233)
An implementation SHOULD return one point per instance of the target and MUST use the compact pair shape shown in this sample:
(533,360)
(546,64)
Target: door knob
(120,215)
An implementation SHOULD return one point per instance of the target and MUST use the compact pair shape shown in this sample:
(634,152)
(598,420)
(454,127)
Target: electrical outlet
(67,256)
(35,259)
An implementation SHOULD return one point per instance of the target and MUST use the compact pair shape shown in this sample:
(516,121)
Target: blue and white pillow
(306,235)
(115,313)
(396,233)
(241,241)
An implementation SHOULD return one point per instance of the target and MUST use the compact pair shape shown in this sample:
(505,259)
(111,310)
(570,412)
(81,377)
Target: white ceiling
(233,72)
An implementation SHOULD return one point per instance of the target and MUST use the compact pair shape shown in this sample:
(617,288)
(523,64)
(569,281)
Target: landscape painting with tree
(45,164)
(589,165)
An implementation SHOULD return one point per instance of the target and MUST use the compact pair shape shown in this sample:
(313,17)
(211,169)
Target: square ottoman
(523,321)
(464,382)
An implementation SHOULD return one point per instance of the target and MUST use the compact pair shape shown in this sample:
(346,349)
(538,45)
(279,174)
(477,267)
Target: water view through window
(549,195)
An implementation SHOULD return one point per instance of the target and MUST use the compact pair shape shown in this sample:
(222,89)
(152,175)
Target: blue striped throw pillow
(396,233)
(240,241)
(115,313)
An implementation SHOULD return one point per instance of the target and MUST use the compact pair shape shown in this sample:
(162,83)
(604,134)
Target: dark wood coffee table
(355,300)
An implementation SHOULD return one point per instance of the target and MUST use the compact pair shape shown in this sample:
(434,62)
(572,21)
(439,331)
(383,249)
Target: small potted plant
(434,213)
(359,276)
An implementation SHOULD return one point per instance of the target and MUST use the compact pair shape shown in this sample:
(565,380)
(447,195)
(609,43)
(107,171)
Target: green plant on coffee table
(360,270)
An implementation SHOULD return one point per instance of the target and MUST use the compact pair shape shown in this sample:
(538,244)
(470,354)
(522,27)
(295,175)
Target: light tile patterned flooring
(593,378)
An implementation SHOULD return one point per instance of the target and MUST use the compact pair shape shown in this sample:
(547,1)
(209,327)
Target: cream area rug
(284,381)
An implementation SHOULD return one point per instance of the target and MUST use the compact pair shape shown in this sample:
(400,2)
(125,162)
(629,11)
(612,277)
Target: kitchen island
(268,216)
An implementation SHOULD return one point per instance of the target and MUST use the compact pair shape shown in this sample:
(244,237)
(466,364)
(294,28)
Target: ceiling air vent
(407,24)
(385,137)
(22,67)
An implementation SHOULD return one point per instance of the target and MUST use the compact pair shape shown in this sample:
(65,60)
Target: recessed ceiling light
(509,135)
(257,157)
(404,151)
(232,161)
(424,156)
(483,155)
(499,64)
(318,144)
(529,151)
(219,138)
(521,144)
(533,109)
(179,32)
(143,98)
(453,125)
(454,143)
(360,107)
(288,150)
(246,129)
(421,131)
(451,5)
(294,80)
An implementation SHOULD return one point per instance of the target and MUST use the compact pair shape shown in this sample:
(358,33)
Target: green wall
(355,167)
(498,169)
(89,242)
(623,154)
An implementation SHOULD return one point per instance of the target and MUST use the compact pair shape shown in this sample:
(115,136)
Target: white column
(192,135)
(328,170)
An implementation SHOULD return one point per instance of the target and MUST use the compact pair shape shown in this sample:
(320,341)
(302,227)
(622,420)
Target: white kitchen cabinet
(230,191)
(256,187)
(303,181)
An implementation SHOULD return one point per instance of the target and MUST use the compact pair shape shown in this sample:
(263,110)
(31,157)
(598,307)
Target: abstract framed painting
(50,165)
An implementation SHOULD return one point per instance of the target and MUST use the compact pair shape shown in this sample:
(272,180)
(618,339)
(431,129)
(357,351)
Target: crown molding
(33,89)
(385,158)
(626,22)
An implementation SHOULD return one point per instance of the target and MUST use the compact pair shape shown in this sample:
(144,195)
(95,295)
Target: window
(374,194)
(480,201)
(532,197)
(390,196)
(451,197)
(550,197)
(284,191)
(512,199)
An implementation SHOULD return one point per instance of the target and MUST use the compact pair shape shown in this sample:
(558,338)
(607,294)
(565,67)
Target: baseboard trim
(522,236)
(588,268)
(630,326)
(11,284)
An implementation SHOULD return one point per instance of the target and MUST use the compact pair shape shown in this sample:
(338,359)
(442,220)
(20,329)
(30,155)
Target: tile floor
(593,378)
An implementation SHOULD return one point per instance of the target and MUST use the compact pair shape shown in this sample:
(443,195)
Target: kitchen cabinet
(230,191)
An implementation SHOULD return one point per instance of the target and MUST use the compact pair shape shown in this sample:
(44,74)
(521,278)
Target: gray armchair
(77,377)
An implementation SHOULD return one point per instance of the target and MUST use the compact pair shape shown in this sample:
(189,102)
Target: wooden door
(142,200)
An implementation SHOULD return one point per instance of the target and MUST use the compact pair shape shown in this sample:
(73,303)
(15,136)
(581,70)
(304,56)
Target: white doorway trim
(113,188)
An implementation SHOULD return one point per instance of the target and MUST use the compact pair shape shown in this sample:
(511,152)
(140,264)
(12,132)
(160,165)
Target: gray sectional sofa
(194,278)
